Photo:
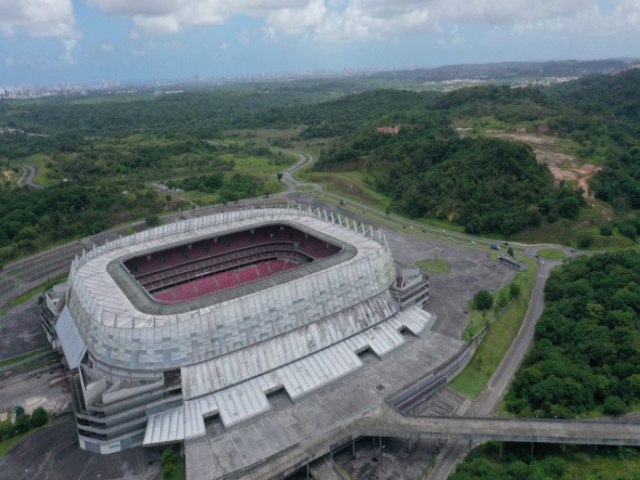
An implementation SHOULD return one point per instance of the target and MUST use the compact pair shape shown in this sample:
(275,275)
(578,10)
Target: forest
(206,143)
(586,357)
(483,184)
(491,186)
(518,461)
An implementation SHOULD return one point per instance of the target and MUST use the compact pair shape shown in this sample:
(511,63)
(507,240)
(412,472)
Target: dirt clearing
(563,166)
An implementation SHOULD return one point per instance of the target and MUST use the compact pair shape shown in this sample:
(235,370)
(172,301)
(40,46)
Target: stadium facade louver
(170,327)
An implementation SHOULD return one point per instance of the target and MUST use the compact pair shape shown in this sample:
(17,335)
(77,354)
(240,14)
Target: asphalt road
(488,401)
(53,454)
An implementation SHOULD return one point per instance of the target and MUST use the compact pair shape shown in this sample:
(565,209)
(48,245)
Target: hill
(483,184)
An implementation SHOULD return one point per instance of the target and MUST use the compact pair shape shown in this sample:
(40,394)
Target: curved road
(455,452)
(27,176)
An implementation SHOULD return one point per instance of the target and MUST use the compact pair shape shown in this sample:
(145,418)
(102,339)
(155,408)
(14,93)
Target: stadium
(193,329)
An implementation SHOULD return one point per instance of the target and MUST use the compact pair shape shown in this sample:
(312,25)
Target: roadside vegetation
(501,319)
(548,462)
(551,254)
(29,294)
(434,265)
(586,357)
(12,432)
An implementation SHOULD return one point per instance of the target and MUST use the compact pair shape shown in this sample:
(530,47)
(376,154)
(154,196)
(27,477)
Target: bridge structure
(385,422)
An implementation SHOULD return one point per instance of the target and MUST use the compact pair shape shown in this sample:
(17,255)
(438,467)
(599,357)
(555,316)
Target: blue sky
(52,41)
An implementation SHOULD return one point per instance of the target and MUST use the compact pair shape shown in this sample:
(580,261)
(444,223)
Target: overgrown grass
(351,185)
(434,265)
(551,254)
(434,222)
(472,380)
(22,357)
(566,232)
(7,444)
(256,165)
(37,290)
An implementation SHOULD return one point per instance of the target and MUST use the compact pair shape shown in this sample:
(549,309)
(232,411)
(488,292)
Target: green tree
(7,429)
(514,290)
(152,221)
(584,240)
(39,417)
(483,300)
(628,230)
(510,252)
(614,405)
(606,230)
(169,462)
(22,423)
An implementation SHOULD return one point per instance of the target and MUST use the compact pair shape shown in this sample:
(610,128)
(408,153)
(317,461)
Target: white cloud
(348,20)
(41,18)
(8,61)
(106,47)
(172,16)
(297,20)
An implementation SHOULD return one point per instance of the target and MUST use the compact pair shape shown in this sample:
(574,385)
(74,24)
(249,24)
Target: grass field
(5,445)
(551,254)
(37,290)
(434,265)
(498,339)
(22,357)
(349,184)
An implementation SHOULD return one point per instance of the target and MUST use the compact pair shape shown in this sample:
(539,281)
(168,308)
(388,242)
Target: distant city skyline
(59,41)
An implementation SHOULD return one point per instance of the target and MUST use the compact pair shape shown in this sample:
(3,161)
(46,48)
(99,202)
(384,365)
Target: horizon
(310,74)
(48,42)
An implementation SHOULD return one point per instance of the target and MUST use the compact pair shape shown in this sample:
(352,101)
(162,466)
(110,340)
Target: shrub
(628,230)
(613,405)
(39,417)
(606,230)
(6,429)
(584,240)
(152,221)
(483,300)
(22,424)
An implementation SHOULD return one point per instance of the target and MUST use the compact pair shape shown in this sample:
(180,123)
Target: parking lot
(471,270)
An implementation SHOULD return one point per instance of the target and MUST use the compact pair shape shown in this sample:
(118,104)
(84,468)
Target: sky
(81,41)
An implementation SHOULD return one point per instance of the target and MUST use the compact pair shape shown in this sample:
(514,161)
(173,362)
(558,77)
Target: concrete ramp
(325,469)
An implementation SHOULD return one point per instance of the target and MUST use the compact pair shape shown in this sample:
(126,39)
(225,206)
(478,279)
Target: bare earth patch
(563,167)
(7,174)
